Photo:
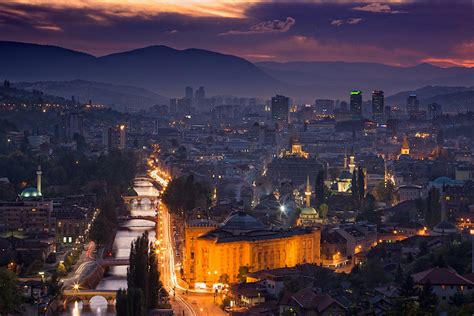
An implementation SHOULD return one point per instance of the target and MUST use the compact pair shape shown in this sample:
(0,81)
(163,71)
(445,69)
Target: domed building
(240,222)
(308,215)
(30,213)
(242,240)
(344,181)
(30,193)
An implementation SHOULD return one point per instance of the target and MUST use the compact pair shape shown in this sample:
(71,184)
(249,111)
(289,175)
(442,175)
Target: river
(116,278)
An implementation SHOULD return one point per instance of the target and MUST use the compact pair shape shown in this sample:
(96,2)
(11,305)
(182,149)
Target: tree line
(144,288)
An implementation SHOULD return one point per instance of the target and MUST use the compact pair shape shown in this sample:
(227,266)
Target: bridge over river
(101,300)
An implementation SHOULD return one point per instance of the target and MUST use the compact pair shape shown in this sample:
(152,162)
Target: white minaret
(345,159)
(307,193)
(38,180)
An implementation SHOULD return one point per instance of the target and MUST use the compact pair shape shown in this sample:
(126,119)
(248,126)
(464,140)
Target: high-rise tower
(377,104)
(356,104)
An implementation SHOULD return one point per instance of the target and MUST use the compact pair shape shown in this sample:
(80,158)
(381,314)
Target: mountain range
(160,69)
(152,72)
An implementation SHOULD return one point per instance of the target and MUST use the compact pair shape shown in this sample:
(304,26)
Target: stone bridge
(139,199)
(143,217)
(86,295)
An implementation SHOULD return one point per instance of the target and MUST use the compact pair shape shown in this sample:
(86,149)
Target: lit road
(165,253)
(185,304)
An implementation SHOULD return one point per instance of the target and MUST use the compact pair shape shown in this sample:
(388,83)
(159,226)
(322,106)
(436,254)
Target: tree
(182,193)
(121,301)
(137,273)
(399,275)
(354,188)
(10,294)
(53,285)
(360,183)
(143,278)
(384,192)
(319,188)
(61,270)
(428,299)
(224,278)
(408,289)
(323,211)
(243,272)
(154,284)
(433,208)
(457,300)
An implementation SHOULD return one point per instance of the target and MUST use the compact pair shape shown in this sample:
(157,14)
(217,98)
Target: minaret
(345,159)
(442,201)
(307,193)
(38,180)
(352,162)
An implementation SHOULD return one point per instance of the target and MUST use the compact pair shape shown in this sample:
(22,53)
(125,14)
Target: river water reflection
(116,278)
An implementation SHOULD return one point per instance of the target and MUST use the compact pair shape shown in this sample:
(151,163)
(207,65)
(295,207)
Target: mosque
(30,213)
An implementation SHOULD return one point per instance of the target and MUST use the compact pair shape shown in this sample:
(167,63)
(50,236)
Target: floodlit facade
(242,241)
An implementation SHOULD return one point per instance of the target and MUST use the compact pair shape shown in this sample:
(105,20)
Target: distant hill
(451,98)
(160,69)
(20,96)
(336,79)
(119,97)
(166,71)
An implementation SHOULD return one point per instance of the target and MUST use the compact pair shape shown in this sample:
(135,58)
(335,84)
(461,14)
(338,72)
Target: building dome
(444,181)
(445,227)
(241,221)
(308,211)
(29,193)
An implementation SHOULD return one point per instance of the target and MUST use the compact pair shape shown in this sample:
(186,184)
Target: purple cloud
(275,26)
(350,21)
(377,8)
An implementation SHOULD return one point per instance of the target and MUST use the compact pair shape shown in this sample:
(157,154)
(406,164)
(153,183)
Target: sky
(403,33)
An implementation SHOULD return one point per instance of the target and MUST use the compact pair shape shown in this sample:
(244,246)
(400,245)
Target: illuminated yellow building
(242,240)
(296,148)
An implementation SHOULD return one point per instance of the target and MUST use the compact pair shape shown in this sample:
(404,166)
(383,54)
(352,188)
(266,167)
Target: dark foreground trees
(145,290)
(183,194)
(10,294)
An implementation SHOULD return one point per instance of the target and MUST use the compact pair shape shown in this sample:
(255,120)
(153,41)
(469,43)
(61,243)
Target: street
(184,302)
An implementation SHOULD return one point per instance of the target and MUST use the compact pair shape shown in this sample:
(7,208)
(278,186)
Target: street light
(282,210)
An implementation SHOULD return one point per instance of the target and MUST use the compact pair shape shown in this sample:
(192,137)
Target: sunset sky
(397,33)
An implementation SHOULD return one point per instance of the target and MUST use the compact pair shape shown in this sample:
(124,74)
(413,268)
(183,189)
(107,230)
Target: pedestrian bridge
(86,296)
(113,262)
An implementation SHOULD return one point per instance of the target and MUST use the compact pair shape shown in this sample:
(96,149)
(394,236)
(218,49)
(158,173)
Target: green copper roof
(30,193)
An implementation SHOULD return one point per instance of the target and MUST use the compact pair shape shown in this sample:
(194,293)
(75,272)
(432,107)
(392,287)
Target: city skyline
(395,33)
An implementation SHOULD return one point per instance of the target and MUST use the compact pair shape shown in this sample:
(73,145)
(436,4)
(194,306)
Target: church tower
(405,147)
